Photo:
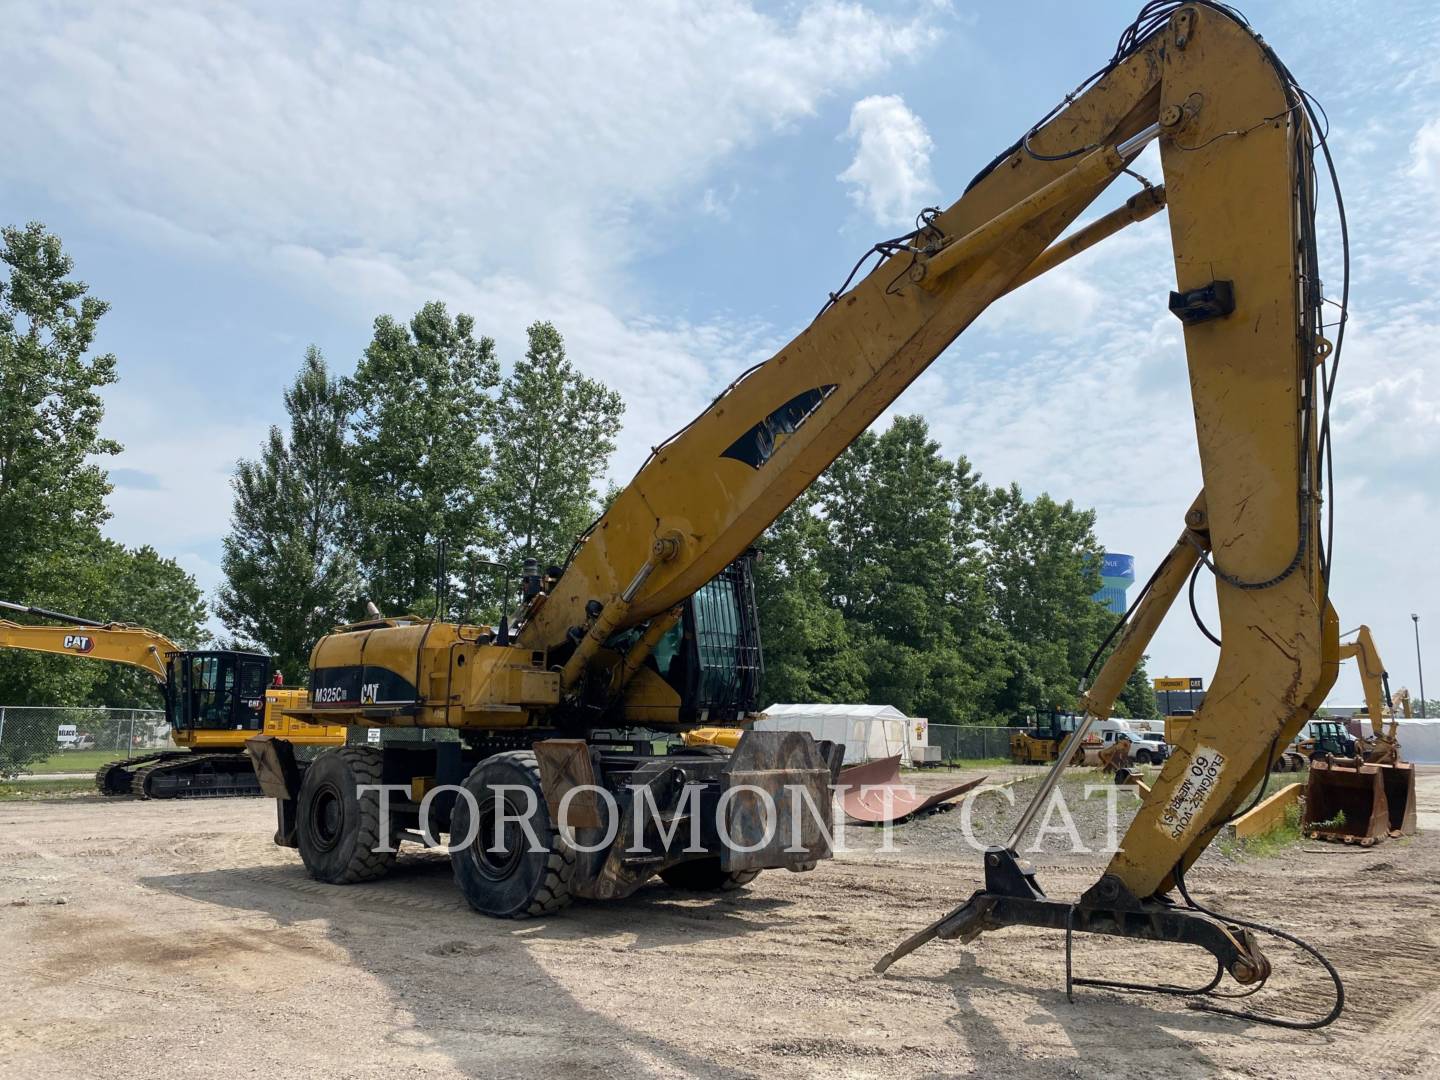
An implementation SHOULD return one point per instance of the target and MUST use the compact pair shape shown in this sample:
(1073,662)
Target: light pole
(1416,620)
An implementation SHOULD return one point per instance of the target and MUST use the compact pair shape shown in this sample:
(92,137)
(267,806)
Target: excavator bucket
(1354,802)
(1399,782)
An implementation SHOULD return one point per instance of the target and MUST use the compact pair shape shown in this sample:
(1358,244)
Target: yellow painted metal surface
(455,676)
(277,722)
(149,651)
(1235,150)
(713,736)
(1268,815)
(1382,744)
(116,643)
(859,355)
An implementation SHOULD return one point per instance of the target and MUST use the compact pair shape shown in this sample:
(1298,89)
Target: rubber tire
(334,777)
(1144,757)
(538,881)
(705,875)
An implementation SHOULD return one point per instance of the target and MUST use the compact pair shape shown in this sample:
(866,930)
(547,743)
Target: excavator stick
(1351,801)
(1237,147)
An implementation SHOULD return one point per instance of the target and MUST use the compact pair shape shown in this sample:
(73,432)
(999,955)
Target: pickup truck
(1148,747)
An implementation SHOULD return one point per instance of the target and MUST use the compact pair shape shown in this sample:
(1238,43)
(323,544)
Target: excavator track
(195,776)
(114,777)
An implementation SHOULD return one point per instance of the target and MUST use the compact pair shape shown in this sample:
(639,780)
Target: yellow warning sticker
(1200,781)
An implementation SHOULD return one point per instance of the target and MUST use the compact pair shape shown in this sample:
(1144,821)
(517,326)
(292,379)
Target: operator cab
(216,691)
(711,657)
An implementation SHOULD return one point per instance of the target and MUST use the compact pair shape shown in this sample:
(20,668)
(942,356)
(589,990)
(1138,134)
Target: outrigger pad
(872,793)
(792,769)
(275,768)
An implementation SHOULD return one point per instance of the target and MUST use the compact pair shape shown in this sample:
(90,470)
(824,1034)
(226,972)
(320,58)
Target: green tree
(554,432)
(289,572)
(1043,569)
(809,654)
(900,566)
(1137,699)
(141,587)
(52,488)
(419,469)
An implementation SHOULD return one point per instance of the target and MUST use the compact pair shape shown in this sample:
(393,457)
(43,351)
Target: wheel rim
(327,817)
(497,862)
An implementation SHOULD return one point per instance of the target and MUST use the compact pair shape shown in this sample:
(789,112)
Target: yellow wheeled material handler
(650,623)
(214,701)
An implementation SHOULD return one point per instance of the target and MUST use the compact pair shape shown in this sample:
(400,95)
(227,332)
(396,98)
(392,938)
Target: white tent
(867,731)
(1420,741)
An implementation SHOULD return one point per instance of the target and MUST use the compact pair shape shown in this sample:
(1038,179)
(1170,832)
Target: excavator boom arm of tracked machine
(1237,158)
(114,642)
(1375,681)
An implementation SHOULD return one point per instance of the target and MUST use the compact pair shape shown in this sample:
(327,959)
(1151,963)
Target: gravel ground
(174,940)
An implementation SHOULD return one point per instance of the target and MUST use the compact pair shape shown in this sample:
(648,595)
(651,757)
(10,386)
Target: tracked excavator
(1367,794)
(214,701)
(650,622)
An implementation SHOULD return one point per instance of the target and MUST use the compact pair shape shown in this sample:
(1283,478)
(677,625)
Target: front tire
(338,829)
(705,875)
(524,873)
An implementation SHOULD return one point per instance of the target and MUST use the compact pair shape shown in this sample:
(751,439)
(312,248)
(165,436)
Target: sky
(677,187)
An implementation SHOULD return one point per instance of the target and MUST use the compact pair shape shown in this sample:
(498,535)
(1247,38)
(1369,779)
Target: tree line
(426,443)
(53,486)
(899,578)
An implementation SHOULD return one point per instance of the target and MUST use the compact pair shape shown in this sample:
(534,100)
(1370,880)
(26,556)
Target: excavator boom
(89,640)
(1236,150)
(1375,681)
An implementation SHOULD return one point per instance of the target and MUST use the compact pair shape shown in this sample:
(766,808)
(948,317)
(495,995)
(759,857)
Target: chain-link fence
(49,740)
(971,742)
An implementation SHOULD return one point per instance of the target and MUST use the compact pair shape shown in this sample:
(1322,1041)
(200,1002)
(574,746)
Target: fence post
(2,723)
(130,740)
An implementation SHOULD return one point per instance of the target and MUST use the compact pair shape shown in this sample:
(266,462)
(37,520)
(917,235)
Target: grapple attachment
(1354,802)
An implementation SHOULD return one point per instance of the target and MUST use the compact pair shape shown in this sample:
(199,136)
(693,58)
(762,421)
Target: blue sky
(677,187)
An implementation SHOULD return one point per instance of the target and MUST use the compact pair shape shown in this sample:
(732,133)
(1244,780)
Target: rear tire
(705,875)
(516,878)
(337,829)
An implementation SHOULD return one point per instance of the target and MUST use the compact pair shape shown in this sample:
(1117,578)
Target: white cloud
(1061,302)
(890,175)
(517,136)
(505,159)
(1425,155)
(512,160)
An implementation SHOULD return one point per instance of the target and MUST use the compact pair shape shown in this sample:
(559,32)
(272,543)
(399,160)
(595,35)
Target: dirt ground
(173,939)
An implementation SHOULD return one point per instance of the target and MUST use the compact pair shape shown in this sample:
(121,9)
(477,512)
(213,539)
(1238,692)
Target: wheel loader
(648,626)
(1040,744)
